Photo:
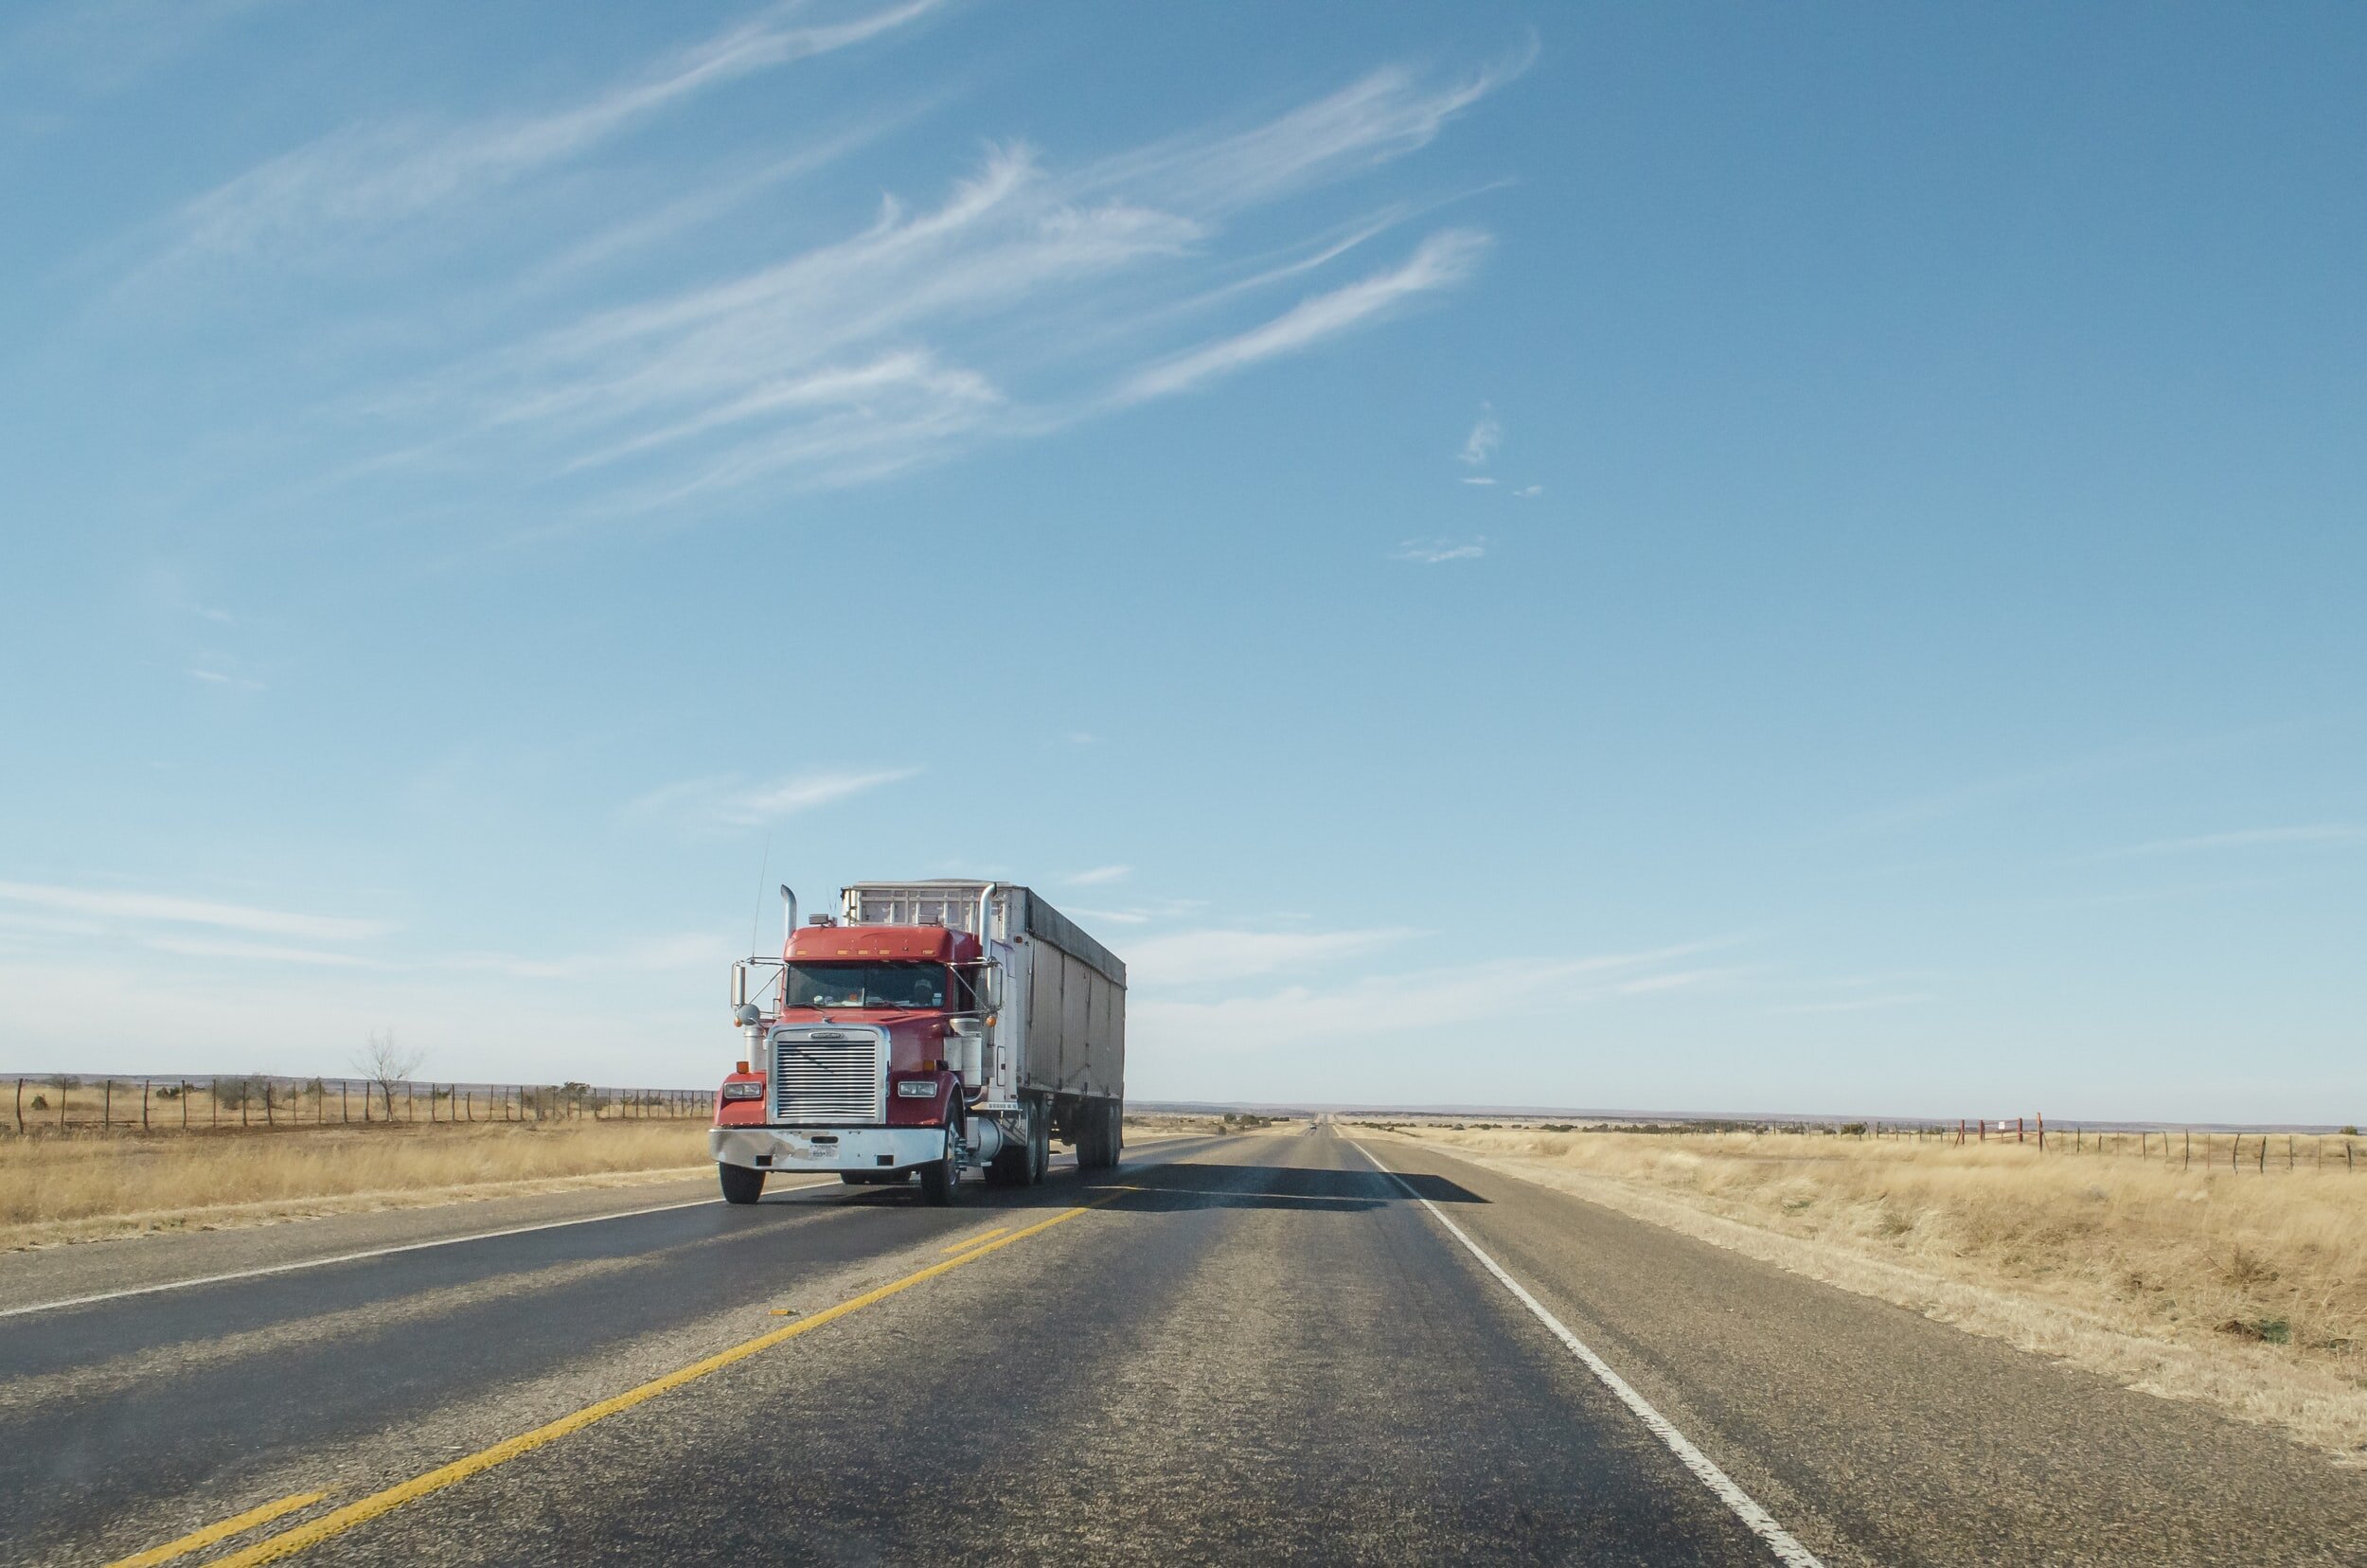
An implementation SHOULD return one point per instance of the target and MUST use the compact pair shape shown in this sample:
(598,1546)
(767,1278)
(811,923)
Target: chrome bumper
(827,1147)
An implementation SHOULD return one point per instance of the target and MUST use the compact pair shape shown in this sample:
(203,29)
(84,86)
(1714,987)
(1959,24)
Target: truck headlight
(743,1090)
(917,1089)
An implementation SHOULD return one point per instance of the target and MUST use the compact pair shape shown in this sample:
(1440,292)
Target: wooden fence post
(143,1105)
(20,1103)
(106,1103)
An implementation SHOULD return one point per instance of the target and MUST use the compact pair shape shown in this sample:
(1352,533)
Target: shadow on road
(1185,1185)
(1176,1186)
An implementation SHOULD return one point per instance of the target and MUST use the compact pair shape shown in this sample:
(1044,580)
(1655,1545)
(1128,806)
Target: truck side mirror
(740,986)
(991,986)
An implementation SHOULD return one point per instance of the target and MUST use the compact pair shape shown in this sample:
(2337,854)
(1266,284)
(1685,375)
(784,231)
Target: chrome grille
(832,1079)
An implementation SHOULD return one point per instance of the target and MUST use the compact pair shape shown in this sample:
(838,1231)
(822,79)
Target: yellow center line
(964,1246)
(212,1533)
(368,1509)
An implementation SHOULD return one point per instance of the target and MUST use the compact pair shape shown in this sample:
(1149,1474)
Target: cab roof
(910,943)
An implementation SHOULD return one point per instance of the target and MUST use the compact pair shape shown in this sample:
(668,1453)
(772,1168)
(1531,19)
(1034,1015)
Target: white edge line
(359,1256)
(1760,1522)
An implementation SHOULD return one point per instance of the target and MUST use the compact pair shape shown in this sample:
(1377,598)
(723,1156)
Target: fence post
(106,1103)
(143,1105)
(20,1103)
(185,1105)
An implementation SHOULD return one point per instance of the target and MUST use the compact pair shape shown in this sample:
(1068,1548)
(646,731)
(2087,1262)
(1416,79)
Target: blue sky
(1672,557)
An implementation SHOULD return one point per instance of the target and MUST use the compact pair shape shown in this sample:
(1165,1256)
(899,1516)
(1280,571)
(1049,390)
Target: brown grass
(81,1188)
(2243,1289)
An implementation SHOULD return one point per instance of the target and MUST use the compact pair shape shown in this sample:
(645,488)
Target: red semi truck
(928,1028)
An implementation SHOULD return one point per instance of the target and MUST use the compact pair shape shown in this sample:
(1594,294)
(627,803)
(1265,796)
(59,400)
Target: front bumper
(827,1147)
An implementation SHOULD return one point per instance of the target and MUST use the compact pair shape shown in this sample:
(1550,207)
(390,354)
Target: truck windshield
(866,985)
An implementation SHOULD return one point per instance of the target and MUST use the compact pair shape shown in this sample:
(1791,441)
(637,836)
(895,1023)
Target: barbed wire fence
(39,1104)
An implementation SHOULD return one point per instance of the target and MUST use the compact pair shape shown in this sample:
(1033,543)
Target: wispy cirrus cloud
(117,905)
(2308,835)
(734,801)
(1437,552)
(258,952)
(1481,444)
(1100,875)
(1025,298)
(1440,261)
(1487,993)
(369,178)
(1197,957)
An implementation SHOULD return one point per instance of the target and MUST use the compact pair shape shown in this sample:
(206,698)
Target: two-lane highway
(1252,1348)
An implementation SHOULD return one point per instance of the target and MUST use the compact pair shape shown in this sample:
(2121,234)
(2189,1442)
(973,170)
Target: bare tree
(387,1064)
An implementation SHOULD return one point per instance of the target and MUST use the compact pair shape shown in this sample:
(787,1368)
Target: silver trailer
(1054,1052)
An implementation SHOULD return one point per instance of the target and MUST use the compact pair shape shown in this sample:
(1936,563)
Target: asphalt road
(1246,1349)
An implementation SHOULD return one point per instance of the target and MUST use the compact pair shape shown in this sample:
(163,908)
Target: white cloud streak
(1441,261)
(368,179)
(937,326)
(2323,835)
(734,802)
(1198,957)
(257,952)
(1436,552)
(1481,445)
(1100,875)
(158,908)
(1469,996)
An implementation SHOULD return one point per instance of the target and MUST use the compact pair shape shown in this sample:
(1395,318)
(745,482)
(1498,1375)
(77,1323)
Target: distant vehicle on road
(927,1028)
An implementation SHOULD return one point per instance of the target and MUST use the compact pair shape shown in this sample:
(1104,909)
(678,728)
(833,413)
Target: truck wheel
(940,1178)
(1104,1130)
(740,1183)
(1009,1169)
(1039,1144)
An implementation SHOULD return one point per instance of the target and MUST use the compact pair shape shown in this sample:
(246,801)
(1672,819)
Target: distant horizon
(1768,1117)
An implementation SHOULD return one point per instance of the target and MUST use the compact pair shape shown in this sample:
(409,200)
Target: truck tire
(941,1178)
(1009,1169)
(1103,1135)
(741,1185)
(1039,1144)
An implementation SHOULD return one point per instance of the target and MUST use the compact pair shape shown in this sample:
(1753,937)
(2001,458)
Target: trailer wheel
(940,1178)
(741,1185)
(1101,1136)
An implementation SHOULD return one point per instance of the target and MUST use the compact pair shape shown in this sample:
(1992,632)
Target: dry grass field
(77,1189)
(2244,1288)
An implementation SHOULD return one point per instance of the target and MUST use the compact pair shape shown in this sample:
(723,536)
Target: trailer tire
(1102,1136)
(1009,1169)
(941,1178)
(1039,1143)
(741,1183)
